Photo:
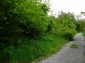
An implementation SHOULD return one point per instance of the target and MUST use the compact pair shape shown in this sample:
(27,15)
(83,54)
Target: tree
(65,25)
(20,18)
(13,13)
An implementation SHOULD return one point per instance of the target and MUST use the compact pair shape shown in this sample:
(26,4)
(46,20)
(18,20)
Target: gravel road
(68,54)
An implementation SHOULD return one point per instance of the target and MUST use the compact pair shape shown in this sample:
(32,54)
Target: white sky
(75,6)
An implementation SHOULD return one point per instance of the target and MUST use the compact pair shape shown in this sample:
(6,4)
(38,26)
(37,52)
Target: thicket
(80,25)
(65,25)
(28,20)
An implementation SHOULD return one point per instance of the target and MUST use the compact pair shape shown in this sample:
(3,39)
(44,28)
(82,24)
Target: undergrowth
(34,49)
(83,33)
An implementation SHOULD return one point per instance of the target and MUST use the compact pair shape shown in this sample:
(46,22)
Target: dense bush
(20,17)
(80,25)
(22,23)
(65,25)
(14,12)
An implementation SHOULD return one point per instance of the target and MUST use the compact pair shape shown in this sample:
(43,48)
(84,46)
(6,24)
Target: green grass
(83,33)
(73,46)
(30,50)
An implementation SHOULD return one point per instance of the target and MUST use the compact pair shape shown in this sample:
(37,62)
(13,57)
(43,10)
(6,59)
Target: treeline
(22,21)
(30,18)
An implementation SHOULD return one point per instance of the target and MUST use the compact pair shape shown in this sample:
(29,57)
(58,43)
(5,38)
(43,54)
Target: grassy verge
(30,49)
(83,33)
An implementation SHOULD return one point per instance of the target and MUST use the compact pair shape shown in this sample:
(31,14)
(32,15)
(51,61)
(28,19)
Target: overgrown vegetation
(35,49)
(80,26)
(28,33)
(74,46)
(83,33)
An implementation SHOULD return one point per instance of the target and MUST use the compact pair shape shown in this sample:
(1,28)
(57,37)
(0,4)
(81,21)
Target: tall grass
(30,50)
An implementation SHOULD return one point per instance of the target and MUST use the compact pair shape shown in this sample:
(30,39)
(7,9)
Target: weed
(73,46)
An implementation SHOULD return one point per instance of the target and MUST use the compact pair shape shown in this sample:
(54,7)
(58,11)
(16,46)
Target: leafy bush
(69,36)
(23,20)
(65,25)
(14,12)
(80,25)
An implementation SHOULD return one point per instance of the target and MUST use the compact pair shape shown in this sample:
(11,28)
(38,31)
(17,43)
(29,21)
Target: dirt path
(68,54)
